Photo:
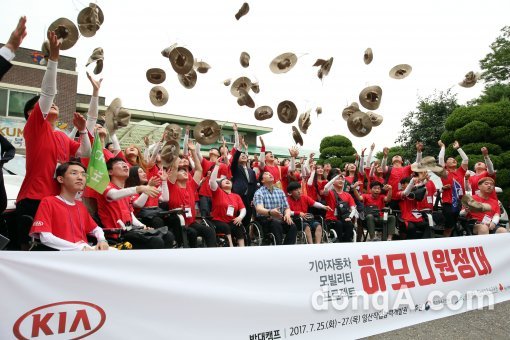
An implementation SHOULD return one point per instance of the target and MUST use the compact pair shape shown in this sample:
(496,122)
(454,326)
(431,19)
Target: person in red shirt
(268,163)
(377,200)
(146,208)
(61,222)
(182,190)
(451,207)
(486,221)
(343,208)
(115,210)
(299,207)
(204,191)
(46,148)
(482,169)
(413,219)
(228,209)
(397,172)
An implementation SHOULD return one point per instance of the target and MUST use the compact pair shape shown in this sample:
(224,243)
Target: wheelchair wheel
(255,234)
(332,236)
(301,238)
(222,240)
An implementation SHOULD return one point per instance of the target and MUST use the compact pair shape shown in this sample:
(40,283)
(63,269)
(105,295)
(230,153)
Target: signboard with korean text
(297,292)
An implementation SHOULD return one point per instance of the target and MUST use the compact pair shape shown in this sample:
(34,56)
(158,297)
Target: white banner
(301,292)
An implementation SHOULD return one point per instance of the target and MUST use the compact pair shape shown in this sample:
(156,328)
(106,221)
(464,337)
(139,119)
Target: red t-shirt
(446,196)
(331,202)
(68,222)
(485,214)
(406,207)
(301,205)
(458,175)
(221,201)
(45,148)
(312,191)
(394,180)
(183,198)
(205,189)
(111,211)
(369,199)
(473,182)
(428,201)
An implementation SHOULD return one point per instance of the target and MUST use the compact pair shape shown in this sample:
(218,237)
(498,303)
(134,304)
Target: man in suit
(244,181)
(7,51)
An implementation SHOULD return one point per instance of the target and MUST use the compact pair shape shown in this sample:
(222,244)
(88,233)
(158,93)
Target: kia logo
(60,320)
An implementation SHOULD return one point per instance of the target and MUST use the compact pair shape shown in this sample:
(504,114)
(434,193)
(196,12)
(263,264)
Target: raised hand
(440,143)
(385,151)
(456,145)
(146,141)
(150,190)
(261,141)
(17,36)
(419,146)
(96,84)
(155,181)
(79,121)
(191,146)
(234,127)
(163,137)
(485,151)
(372,147)
(54,46)
(294,152)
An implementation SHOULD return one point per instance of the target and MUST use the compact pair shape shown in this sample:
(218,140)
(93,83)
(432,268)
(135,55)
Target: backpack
(342,208)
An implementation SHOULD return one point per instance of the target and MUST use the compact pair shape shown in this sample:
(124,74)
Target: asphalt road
(477,324)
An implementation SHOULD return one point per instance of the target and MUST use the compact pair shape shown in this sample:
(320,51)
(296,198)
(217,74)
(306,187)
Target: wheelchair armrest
(426,211)
(174,211)
(112,231)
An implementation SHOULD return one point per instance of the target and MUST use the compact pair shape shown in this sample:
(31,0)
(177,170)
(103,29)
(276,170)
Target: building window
(17,102)
(3,102)
(13,102)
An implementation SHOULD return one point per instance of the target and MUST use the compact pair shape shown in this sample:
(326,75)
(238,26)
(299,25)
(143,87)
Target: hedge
(337,140)
(472,132)
(338,151)
(494,114)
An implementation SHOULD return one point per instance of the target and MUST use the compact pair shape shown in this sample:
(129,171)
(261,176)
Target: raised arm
(370,153)
(197,176)
(465,158)
(49,82)
(384,160)
(442,151)
(214,176)
(94,104)
(419,150)
(81,124)
(329,185)
(488,162)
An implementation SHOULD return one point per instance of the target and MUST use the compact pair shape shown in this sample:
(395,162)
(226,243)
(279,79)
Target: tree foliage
(496,64)
(336,150)
(426,124)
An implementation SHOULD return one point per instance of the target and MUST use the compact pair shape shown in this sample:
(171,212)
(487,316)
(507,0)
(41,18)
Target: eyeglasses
(78,173)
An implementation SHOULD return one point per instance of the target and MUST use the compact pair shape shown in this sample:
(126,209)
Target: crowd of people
(153,204)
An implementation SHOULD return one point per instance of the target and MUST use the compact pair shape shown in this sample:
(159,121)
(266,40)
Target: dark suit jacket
(4,66)
(242,185)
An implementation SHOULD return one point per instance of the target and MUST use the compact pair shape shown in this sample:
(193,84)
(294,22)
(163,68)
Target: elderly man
(273,211)
(486,221)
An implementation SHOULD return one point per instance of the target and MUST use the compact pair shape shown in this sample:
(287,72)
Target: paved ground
(478,324)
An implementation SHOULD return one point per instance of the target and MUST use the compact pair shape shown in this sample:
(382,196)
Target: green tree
(426,124)
(336,150)
(496,64)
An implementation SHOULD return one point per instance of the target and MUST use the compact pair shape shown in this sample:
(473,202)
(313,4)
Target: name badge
(187,212)
(429,199)
(486,219)
(230,210)
(416,214)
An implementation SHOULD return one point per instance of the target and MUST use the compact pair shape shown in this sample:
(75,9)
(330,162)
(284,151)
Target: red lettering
(372,274)
(444,264)
(62,317)
(485,267)
(421,280)
(81,315)
(41,324)
(394,270)
(461,260)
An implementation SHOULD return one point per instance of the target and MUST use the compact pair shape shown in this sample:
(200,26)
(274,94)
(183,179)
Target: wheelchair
(420,232)
(379,227)
(301,235)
